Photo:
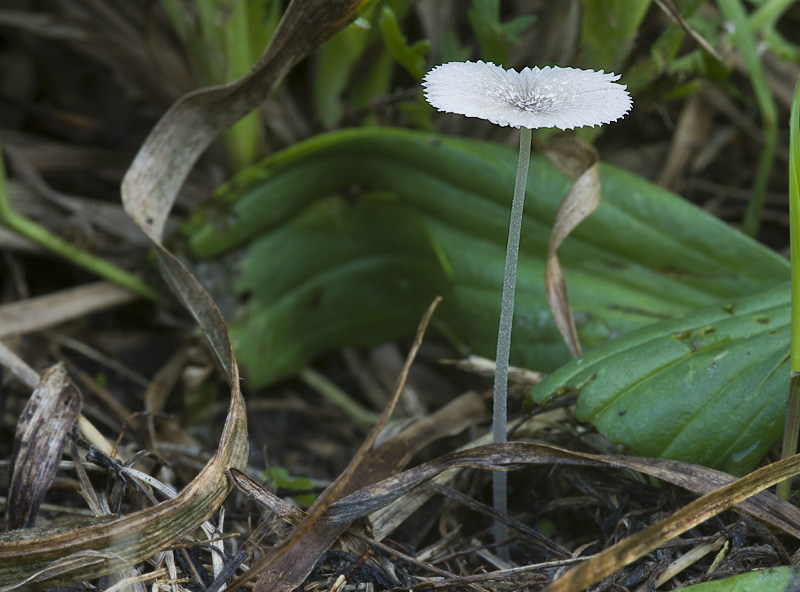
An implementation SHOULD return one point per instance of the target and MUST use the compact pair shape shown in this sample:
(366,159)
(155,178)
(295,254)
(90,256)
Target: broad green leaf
(345,239)
(773,579)
(708,387)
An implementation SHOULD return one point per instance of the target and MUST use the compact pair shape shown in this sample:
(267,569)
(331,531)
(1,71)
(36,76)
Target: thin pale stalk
(500,414)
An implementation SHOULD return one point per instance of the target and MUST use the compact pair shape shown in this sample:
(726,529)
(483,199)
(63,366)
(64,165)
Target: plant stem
(789,447)
(500,412)
(793,402)
(54,243)
(363,417)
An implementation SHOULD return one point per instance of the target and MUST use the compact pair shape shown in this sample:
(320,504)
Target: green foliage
(345,239)
(744,38)
(340,74)
(794,221)
(412,58)
(708,387)
(493,35)
(773,579)
(662,54)
(335,61)
(223,39)
(396,217)
(281,478)
(789,447)
(609,27)
(764,19)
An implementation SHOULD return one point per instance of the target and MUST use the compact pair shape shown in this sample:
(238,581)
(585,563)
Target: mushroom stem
(500,413)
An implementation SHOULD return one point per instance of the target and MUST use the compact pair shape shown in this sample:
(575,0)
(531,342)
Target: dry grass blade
(580,162)
(286,566)
(672,10)
(42,430)
(18,368)
(614,558)
(451,419)
(512,455)
(275,505)
(46,311)
(691,135)
(41,312)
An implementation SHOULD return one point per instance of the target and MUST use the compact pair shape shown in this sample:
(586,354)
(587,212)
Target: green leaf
(345,239)
(609,28)
(662,53)
(773,579)
(412,58)
(708,387)
(280,477)
(745,40)
(794,221)
(334,63)
(494,36)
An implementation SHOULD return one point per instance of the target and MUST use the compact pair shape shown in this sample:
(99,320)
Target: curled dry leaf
(42,430)
(61,556)
(581,162)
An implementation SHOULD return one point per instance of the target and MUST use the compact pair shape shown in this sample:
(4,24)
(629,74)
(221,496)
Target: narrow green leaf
(494,36)
(609,28)
(409,57)
(743,36)
(794,223)
(789,446)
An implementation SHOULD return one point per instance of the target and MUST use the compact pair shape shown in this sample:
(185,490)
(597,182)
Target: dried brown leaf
(42,430)
(513,455)
(579,161)
(41,312)
(691,135)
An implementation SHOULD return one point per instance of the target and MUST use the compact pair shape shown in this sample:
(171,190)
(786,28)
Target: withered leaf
(42,430)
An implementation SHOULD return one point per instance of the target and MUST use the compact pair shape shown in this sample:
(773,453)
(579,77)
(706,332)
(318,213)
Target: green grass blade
(55,244)
(794,224)
(745,40)
(792,423)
